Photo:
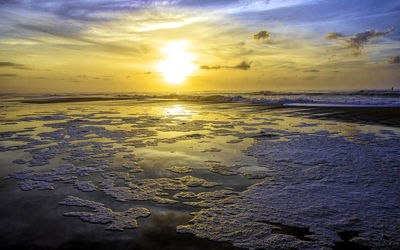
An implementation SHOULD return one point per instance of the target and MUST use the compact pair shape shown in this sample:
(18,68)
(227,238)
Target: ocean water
(377,98)
(196,171)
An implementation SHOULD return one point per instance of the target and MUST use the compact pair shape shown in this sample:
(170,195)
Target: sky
(65,46)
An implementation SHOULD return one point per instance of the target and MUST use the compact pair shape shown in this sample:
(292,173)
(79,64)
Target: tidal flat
(173,174)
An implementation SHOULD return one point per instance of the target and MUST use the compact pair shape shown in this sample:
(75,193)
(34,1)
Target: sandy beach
(167,174)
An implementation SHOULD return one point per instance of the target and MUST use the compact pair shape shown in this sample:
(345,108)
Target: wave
(378,98)
(383,93)
(349,98)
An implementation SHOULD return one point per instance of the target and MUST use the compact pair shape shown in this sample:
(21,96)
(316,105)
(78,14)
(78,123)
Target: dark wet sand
(388,116)
(23,227)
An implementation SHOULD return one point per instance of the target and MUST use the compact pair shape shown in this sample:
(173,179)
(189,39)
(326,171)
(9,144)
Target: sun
(178,63)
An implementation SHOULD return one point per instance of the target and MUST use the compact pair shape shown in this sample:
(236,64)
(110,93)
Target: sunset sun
(178,63)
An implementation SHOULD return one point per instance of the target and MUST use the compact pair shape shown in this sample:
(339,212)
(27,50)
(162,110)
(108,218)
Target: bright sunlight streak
(178,63)
(176,110)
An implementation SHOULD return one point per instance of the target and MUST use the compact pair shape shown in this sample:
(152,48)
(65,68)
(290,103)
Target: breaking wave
(377,98)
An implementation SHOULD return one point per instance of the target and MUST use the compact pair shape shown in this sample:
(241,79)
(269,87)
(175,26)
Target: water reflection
(176,110)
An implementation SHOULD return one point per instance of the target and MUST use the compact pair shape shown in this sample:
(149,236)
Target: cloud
(170,24)
(102,78)
(311,70)
(106,10)
(84,10)
(357,41)
(242,66)
(210,67)
(72,33)
(394,60)
(13,65)
(334,36)
(8,75)
(262,35)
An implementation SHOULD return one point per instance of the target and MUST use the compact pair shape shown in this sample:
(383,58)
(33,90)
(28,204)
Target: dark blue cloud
(300,12)
(207,3)
(97,10)
(320,16)
(357,41)
(348,16)
(85,10)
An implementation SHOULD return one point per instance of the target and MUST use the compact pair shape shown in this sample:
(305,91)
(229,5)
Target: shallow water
(120,154)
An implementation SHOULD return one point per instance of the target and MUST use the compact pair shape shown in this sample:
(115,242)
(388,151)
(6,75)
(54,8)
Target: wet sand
(179,162)
(388,116)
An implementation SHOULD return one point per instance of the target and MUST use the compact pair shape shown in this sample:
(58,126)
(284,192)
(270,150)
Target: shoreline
(384,115)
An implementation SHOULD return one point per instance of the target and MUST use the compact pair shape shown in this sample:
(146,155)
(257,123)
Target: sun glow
(176,110)
(178,63)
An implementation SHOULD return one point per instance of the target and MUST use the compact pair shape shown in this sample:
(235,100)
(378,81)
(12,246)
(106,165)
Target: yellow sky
(133,53)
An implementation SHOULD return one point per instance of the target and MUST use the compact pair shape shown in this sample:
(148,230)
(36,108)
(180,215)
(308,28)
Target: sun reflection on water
(177,110)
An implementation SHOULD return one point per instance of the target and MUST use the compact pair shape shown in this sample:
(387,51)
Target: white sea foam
(360,98)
